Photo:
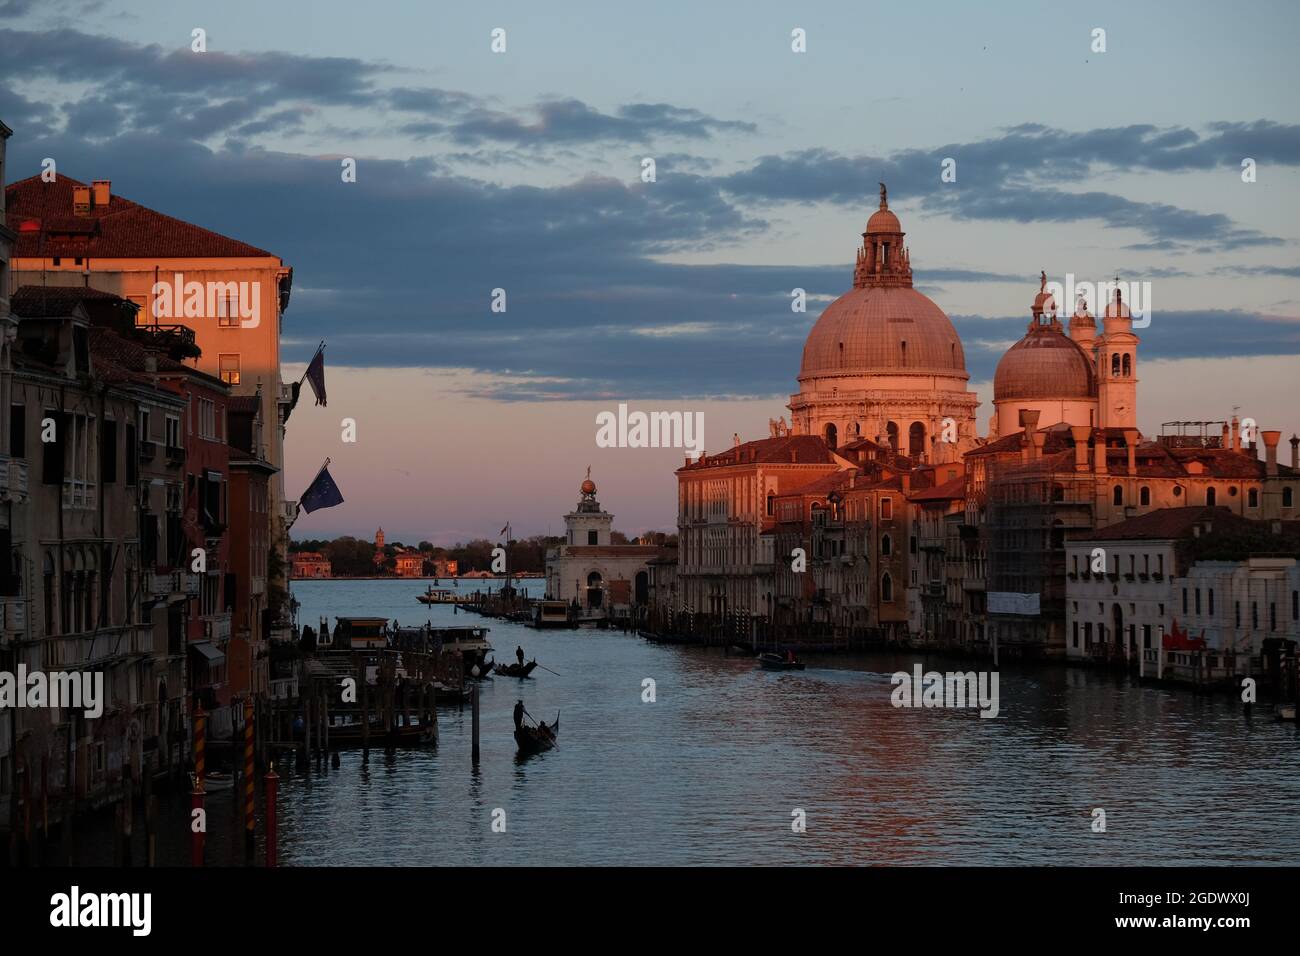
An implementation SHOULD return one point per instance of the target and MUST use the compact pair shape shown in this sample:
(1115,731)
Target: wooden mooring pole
(473,703)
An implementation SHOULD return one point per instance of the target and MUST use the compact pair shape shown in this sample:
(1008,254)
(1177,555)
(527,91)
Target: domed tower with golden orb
(884,362)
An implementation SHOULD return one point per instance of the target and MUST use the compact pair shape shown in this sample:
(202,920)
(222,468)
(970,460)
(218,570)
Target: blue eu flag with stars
(323,493)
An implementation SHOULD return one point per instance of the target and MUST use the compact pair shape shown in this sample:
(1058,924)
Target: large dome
(882,329)
(1044,364)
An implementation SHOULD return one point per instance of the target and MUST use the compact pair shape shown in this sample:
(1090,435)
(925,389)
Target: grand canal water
(711,771)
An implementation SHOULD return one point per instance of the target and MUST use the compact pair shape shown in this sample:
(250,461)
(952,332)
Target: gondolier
(519,654)
(519,715)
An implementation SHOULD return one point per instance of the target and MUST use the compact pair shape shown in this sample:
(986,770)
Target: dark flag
(323,493)
(316,376)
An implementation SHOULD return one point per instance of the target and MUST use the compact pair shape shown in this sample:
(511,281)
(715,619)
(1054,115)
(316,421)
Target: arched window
(1058,492)
(1117,495)
(1114,365)
(1286,497)
(771,503)
(1144,496)
(841,355)
(1128,365)
(891,429)
(886,546)
(916,440)
(830,436)
(886,588)
(902,347)
(1211,497)
(1252,498)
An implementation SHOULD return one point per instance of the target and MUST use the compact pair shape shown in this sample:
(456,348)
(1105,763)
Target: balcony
(13,615)
(148,450)
(175,455)
(13,479)
(161,585)
(217,627)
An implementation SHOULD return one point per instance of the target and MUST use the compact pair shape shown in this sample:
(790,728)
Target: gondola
(531,740)
(775,662)
(516,670)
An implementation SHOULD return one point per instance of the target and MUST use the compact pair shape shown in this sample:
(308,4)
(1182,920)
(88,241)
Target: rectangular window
(148,541)
(1076,634)
(1184,600)
(108,453)
(18,431)
(1210,595)
(54,453)
(228,313)
(142,422)
(132,455)
(173,432)
(886,507)
(592,537)
(1198,601)
(229,366)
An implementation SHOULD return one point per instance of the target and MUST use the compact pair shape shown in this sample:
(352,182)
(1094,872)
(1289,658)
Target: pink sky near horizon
(431,464)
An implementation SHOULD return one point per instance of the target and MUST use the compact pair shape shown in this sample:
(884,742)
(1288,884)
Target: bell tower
(1117,366)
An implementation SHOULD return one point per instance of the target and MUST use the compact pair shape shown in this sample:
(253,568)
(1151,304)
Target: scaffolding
(1031,508)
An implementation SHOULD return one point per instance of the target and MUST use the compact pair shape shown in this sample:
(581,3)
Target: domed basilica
(883,362)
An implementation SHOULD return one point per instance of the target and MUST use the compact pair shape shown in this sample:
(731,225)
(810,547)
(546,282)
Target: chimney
(1099,455)
(1227,437)
(1080,435)
(81,200)
(1236,434)
(906,479)
(1131,440)
(735,439)
(1038,439)
(1033,442)
(1295,453)
(103,191)
(1271,439)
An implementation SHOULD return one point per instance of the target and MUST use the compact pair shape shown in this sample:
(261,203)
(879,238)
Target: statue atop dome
(884,204)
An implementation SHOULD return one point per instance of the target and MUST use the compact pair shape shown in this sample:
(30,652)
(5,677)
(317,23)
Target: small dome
(882,220)
(1044,364)
(588,487)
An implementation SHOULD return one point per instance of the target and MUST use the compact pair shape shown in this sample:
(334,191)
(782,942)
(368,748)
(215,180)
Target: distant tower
(1117,367)
(588,524)
(379,546)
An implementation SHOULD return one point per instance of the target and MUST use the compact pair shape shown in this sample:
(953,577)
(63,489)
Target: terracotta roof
(1169,523)
(45,302)
(116,357)
(948,491)
(41,213)
(805,449)
(823,486)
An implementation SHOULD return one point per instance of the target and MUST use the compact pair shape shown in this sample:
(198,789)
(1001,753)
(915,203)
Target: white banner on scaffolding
(1009,602)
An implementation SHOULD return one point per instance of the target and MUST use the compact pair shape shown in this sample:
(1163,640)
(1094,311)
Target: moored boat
(551,614)
(437,596)
(516,670)
(775,662)
(533,740)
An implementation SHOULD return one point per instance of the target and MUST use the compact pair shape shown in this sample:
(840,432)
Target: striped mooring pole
(200,744)
(249,825)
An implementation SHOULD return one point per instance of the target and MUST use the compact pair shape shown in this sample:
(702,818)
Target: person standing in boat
(519,653)
(519,715)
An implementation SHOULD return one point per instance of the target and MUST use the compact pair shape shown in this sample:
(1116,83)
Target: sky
(522,170)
